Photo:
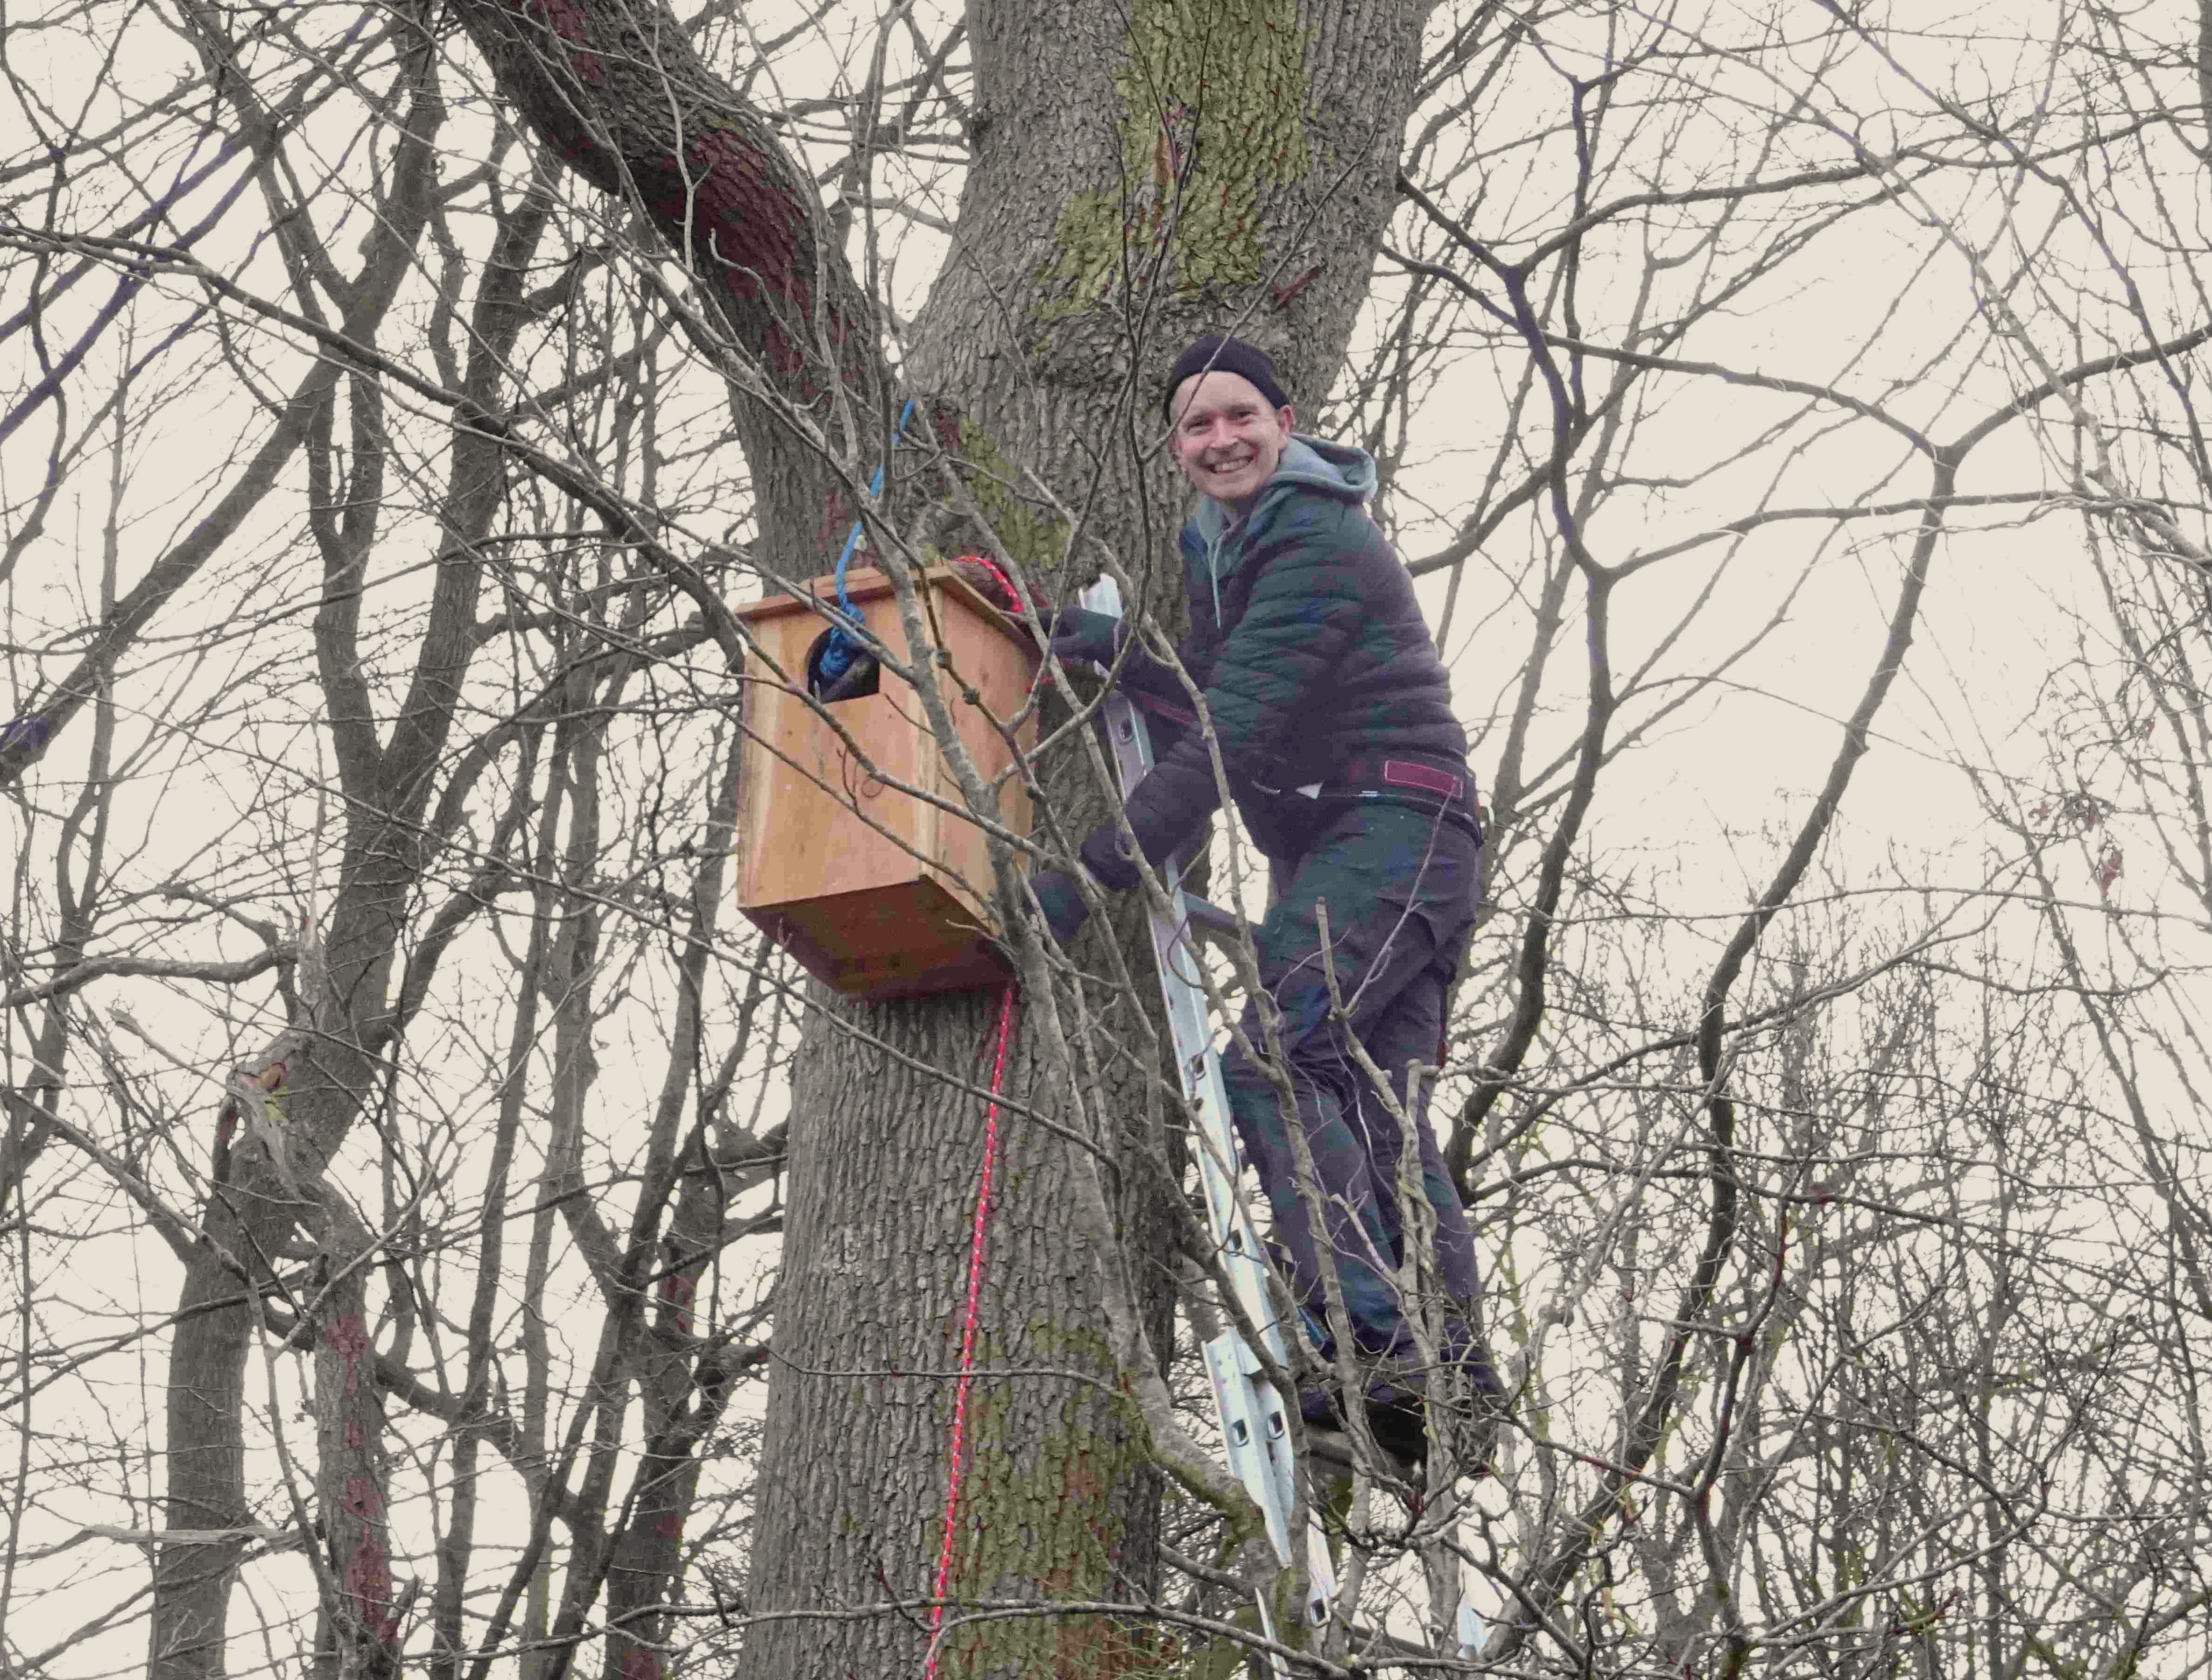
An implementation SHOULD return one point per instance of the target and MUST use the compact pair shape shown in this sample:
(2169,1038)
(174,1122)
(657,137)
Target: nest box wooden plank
(877,892)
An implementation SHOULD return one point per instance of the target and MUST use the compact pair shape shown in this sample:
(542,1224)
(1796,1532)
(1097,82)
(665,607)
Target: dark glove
(1061,900)
(1109,864)
(1079,634)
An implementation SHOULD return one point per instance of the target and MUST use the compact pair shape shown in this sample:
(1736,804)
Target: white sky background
(1708,801)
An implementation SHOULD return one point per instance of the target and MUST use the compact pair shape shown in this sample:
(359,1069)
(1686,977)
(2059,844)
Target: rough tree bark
(1137,175)
(356,1633)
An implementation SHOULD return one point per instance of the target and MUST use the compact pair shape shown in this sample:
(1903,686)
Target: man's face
(1226,440)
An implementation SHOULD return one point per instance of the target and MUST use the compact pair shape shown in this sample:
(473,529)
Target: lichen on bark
(1212,115)
(1034,537)
(1044,1524)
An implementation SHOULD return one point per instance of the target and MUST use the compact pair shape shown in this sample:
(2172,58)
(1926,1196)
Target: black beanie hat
(1219,354)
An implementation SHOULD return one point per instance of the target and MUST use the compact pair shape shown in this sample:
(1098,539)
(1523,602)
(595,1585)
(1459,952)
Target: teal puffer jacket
(1308,642)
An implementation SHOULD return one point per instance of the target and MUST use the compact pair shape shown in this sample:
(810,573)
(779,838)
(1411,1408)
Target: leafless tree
(440,1232)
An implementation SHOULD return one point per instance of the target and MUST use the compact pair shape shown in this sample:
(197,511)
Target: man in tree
(1333,713)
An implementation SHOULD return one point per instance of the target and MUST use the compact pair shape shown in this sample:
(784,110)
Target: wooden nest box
(877,892)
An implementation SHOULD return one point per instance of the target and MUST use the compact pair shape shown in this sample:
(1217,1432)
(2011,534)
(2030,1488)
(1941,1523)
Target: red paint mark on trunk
(752,223)
(726,202)
(368,1582)
(363,1497)
(782,354)
(677,1290)
(668,1525)
(640,1664)
(566,19)
(353,1437)
(1284,293)
(349,1339)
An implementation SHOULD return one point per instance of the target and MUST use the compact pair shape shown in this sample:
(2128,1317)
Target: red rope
(1009,598)
(956,1450)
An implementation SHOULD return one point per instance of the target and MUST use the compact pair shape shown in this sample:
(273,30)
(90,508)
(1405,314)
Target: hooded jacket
(1309,646)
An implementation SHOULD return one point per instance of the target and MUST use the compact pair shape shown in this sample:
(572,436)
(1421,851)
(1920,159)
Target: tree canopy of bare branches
(441,1233)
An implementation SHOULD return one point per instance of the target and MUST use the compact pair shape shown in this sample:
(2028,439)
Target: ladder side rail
(1255,1429)
(1255,1432)
(1198,1063)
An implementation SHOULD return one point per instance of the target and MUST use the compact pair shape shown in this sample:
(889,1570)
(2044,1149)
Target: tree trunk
(1299,143)
(206,1469)
(683,1391)
(1170,168)
(869,1320)
(355,1635)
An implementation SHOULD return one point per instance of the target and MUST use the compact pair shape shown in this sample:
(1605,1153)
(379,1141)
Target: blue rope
(845,644)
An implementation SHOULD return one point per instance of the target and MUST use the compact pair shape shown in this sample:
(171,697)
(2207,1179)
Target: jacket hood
(1336,469)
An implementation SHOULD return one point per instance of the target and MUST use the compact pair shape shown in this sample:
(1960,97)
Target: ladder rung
(1210,918)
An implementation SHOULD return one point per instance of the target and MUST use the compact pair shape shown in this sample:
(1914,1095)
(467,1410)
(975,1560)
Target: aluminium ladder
(1253,1429)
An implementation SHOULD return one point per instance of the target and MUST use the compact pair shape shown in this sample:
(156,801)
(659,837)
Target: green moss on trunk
(1213,120)
(1032,535)
(1036,1517)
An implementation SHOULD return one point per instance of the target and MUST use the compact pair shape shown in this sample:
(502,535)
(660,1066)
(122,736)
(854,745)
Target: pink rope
(956,1451)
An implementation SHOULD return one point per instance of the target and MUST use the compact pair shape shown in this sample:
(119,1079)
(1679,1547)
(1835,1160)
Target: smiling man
(1333,714)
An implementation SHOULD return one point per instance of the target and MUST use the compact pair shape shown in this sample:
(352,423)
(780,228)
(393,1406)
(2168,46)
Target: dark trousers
(1401,885)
